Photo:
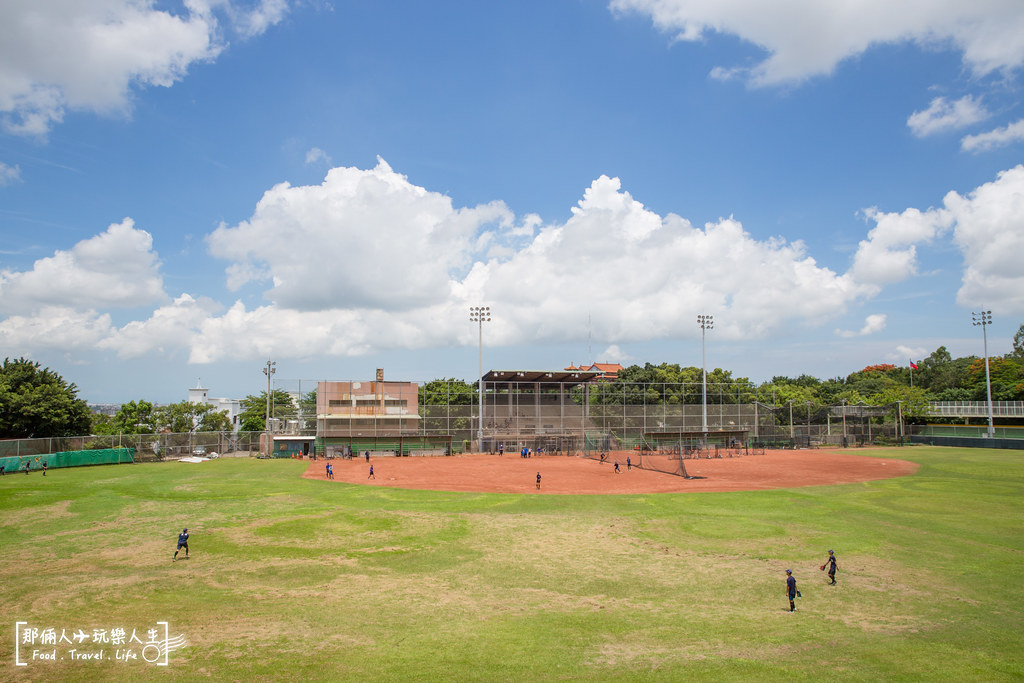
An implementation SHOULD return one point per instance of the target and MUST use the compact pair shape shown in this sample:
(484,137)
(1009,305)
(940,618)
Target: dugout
(290,446)
(385,445)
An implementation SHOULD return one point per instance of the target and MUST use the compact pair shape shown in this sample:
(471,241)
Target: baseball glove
(822,567)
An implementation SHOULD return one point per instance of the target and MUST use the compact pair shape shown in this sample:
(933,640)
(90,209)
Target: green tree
(1018,345)
(37,402)
(940,372)
(436,398)
(135,417)
(185,416)
(913,401)
(1007,377)
(307,406)
(102,424)
(252,418)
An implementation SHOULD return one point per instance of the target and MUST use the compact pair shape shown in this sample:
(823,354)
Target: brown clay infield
(562,474)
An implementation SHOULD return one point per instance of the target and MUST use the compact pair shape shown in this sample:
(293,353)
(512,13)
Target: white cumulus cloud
(367,260)
(889,254)
(990,233)
(57,55)
(115,268)
(873,323)
(55,327)
(805,38)
(998,137)
(943,115)
(361,239)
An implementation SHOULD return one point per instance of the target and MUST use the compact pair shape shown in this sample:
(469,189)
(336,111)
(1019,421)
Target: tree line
(37,402)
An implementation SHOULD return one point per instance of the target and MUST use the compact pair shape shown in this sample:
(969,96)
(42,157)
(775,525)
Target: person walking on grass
(182,543)
(831,564)
(791,590)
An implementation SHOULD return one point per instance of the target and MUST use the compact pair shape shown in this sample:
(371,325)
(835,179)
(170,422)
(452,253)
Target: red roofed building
(609,371)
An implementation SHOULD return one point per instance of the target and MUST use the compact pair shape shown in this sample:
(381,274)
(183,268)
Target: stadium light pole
(480,315)
(706,322)
(269,371)
(984,319)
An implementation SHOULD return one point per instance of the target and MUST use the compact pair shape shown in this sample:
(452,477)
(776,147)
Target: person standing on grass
(182,543)
(791,590)
(831,563)
(44,474)
(372,475)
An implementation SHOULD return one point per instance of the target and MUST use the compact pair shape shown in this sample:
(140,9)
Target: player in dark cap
(182,543)
(791,589)
(831,564)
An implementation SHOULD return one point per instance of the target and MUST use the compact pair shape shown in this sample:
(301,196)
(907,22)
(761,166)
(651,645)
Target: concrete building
(201,396)
(349,409)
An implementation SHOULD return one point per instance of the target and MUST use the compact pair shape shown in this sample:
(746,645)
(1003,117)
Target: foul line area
(573,475)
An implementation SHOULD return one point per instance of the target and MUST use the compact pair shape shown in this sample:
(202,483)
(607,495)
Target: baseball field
(299,577)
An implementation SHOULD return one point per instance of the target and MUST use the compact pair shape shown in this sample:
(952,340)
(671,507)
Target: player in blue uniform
(831,564)
(372,475)
(182,543)
(791,589)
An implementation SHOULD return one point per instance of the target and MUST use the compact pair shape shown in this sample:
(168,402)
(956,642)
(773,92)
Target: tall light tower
(480,315)
(984,319)
(706,322)
(269,372)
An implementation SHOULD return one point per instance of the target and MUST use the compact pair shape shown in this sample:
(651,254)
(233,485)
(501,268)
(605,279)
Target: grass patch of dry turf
(290,577)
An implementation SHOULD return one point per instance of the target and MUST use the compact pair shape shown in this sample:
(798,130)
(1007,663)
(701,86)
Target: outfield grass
(295,578)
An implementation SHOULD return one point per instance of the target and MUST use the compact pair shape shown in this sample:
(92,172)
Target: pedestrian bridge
(975,409)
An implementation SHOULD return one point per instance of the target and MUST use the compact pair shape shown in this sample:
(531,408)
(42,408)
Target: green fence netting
(103,456)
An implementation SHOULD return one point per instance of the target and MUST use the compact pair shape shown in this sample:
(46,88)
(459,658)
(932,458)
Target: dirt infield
(575,475)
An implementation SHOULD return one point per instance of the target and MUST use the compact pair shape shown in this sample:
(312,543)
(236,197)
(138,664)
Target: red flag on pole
(913,365)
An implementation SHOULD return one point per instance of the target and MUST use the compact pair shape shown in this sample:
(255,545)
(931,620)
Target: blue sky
(190,188)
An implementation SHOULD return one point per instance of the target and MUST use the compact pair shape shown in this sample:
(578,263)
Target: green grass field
(292,578)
